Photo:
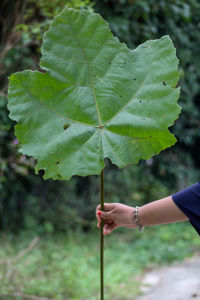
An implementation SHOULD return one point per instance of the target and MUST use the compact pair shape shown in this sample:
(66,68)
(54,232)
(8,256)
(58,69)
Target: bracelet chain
(137,221)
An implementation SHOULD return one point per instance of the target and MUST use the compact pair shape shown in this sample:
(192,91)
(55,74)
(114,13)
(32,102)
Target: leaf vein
(89,70)
(132,98)
(55,112)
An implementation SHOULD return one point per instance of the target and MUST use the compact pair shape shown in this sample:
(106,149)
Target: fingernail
(99,213)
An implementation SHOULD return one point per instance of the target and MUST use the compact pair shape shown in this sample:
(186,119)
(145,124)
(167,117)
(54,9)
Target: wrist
(129,223)
(141,215)
(137,218)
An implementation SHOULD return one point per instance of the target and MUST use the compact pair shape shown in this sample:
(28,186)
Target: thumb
(105,215)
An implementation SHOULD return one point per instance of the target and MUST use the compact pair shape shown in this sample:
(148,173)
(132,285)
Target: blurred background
(49,243)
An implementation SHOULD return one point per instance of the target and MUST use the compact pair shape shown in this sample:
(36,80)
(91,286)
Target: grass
(67,266)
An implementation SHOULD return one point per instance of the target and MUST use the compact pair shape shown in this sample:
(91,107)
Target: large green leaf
(97,98)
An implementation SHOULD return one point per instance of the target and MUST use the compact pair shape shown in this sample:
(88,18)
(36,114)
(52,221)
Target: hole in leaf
(41,172)
(109,62)
(164,83)
(134,78)
(65,126)
(140,101)
(57,162)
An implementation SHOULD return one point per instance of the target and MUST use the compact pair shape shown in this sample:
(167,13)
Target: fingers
(109,227)
(102,214)
(107,207)
(98,218)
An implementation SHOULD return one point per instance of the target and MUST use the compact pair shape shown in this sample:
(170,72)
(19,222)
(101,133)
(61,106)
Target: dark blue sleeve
(188,200)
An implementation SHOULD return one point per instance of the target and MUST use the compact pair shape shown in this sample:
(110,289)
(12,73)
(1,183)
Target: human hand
(115,215)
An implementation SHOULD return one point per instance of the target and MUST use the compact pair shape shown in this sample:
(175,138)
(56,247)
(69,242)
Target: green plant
(134,22)
(56,266)
(96,100)
(26,200)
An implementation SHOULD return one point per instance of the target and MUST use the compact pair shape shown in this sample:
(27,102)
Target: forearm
(162,211)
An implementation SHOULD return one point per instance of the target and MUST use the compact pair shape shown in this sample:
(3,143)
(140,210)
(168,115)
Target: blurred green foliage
(64,266)
(26,201)
(39,14)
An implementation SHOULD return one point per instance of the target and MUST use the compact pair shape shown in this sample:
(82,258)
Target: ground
(180,281)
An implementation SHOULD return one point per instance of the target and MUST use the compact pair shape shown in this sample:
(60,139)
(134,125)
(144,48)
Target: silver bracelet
(137,221)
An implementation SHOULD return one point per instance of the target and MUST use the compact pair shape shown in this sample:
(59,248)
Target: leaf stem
(102,237)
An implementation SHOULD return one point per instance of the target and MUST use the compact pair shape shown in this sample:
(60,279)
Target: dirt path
(180,281)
